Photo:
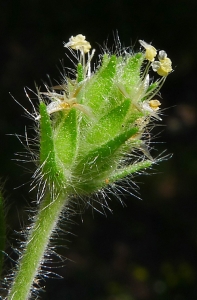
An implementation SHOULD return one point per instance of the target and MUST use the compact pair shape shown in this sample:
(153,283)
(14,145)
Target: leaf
(65,139)
(109,125)
(100,163)
(100,85)
(51,170)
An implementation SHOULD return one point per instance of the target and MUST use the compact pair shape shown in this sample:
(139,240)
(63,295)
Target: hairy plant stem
(38,240)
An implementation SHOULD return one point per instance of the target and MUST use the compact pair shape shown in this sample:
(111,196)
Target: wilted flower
(78,42)
(154,104)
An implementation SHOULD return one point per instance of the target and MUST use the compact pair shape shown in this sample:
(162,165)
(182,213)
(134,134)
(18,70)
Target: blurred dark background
(148,249)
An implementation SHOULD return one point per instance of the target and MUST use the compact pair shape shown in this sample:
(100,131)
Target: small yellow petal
(151,52)
(165,67)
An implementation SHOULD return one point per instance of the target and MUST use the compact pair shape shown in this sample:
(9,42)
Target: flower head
(94,116)
(79,42)
(151,52)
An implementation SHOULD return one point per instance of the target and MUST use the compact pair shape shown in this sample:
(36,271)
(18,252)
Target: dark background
(146,250)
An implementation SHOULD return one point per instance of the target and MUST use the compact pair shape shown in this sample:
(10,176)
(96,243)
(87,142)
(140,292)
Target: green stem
(37,242)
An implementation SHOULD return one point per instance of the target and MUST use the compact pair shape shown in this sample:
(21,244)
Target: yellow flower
(164,66)
(151,52)
(79,42)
